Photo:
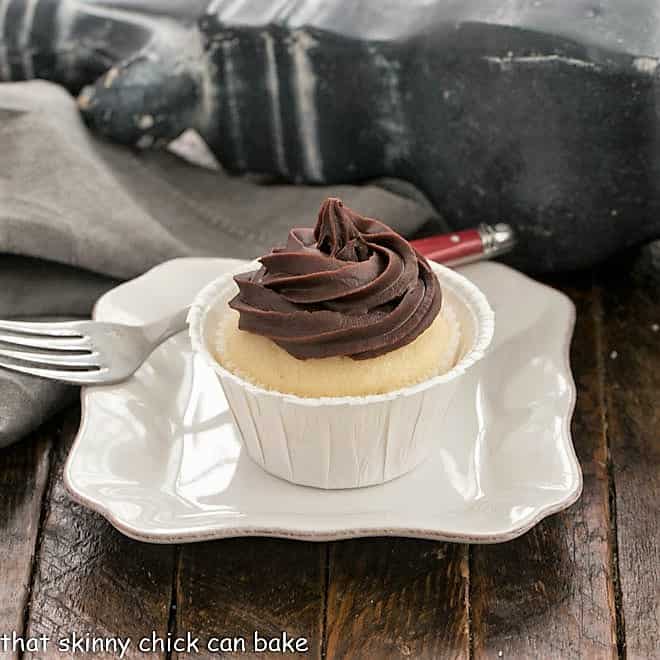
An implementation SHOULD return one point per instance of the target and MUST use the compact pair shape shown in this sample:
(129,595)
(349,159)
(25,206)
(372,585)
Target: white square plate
(160,458)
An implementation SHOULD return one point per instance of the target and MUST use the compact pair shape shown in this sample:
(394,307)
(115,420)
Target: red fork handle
(461,247)
(451,248)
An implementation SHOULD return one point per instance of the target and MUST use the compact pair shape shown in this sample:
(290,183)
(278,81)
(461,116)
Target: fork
(83,352)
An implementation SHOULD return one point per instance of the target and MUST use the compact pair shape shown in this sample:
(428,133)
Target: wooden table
(582,584)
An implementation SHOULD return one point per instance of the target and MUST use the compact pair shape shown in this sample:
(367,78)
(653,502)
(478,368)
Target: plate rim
(290,532)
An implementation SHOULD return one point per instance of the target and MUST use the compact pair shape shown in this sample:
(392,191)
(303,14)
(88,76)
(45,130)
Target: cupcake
(347,308)
(339,352)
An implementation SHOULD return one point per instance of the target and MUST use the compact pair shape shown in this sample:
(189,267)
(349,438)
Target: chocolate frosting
(350,286)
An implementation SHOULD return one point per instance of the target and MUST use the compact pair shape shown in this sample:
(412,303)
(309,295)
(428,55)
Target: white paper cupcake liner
(343,442)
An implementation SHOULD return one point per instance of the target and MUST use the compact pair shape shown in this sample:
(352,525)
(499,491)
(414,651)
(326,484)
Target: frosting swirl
(350,286)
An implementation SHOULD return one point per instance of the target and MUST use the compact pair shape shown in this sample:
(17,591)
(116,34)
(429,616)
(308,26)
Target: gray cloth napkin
(78,214)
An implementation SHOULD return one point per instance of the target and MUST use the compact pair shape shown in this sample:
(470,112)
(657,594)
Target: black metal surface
(541,114)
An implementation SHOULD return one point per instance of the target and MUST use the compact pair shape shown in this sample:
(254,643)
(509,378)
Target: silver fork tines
(66,329)
(47,342)
(82,352)
(55,359)
(95,377)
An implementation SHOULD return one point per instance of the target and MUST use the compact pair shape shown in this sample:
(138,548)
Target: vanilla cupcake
(345,309)
(339,353)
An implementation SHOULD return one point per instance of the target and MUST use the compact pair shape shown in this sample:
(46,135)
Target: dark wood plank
(397,598)
(631,353)
(91,580)
(23,477)
(549,594)
(235,587)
